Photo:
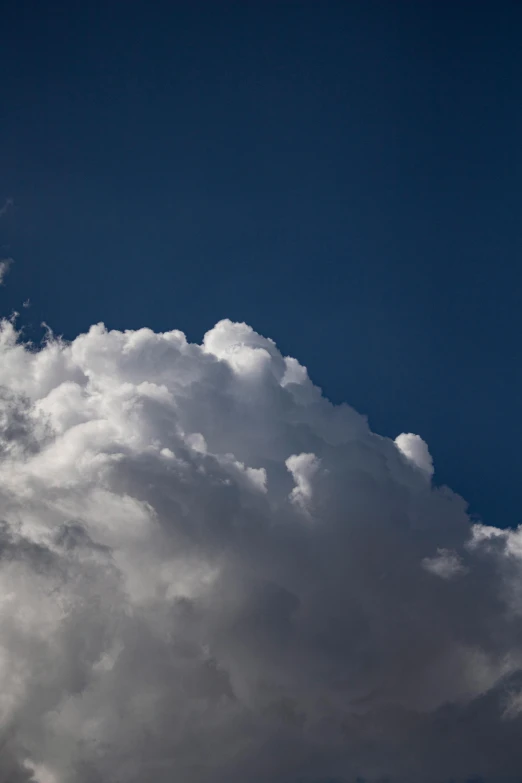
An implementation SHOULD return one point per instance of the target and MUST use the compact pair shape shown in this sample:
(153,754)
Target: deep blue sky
(344,176)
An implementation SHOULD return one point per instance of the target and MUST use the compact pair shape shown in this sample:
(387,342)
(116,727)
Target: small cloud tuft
(446,564)
(5,266)
(416,451)
(8,203)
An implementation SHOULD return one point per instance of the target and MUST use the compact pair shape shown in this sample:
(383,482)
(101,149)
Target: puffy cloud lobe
(446,564)
(303,467)
(416,450)
(209,573)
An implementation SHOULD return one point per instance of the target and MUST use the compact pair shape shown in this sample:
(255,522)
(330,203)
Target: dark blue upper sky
(344,176)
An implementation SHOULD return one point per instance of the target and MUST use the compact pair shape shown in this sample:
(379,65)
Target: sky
(342,176)
(345,179)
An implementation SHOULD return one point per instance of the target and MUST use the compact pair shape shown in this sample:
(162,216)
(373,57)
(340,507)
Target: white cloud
(303,468)
(446,564)
(167,612)
(416,450)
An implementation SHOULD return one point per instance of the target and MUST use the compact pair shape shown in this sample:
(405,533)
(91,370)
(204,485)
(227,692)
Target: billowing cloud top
(211,574)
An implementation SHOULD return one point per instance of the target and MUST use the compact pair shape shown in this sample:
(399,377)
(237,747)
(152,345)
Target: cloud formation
(211,574)
(6,206)
(5,265)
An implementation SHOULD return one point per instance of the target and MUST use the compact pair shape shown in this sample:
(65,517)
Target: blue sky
(343,176)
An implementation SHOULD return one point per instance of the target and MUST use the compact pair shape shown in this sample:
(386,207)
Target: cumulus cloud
(210,574)
(415,450)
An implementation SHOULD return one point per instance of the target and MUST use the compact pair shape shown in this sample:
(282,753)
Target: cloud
(8,203)
(210,573)
(415,450)
(5,265)
(446,564)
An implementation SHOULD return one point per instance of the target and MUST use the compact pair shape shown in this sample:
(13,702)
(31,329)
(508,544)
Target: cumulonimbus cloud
(210,574)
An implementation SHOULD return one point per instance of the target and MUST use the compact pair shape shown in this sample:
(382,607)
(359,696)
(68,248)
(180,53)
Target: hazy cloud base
(210,574)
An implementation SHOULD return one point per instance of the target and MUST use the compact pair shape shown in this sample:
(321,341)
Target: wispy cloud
(5,265)
(8,203)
